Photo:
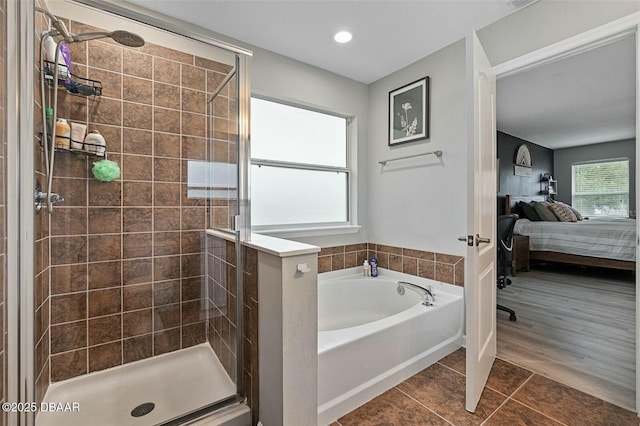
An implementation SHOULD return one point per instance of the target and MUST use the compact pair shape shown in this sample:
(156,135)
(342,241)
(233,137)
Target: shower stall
(124,310)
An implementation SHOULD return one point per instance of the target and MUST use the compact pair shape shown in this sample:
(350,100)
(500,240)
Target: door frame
(591,39)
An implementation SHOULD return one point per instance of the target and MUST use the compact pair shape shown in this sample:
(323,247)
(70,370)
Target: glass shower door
(127,287)
(228,223)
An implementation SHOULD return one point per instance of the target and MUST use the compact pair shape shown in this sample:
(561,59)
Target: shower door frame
(20,378)
(20,188)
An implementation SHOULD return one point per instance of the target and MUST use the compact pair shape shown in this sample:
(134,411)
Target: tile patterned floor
(513,396)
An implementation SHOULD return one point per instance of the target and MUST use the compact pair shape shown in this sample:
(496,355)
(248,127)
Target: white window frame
(318,228)
(603,161)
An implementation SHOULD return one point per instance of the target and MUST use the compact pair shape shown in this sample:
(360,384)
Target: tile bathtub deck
(513,396)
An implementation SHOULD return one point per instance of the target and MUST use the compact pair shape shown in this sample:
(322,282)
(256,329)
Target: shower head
(127,39)
(119,36)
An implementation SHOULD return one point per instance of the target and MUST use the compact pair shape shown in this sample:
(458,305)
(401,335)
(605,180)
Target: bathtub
(370,338)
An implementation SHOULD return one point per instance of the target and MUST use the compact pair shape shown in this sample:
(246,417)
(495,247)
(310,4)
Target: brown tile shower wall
(441,267)
(126,265)
(3,180)
(221,281)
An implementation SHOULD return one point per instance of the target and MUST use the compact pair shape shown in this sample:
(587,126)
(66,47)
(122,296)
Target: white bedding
(609,238)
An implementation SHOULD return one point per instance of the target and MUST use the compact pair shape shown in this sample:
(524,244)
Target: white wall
(421,203)
(546,22)
(424,207)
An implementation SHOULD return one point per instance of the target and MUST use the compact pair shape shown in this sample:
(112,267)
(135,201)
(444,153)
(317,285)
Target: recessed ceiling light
(343,37)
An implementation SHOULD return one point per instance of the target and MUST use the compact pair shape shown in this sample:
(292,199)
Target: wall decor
(523,165)
(409,112)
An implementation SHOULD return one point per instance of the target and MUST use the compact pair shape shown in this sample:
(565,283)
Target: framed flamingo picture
(409,112)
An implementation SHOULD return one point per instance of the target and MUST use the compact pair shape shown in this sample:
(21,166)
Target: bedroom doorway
(553,335)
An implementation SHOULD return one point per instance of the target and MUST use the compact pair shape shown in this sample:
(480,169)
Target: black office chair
(505,255)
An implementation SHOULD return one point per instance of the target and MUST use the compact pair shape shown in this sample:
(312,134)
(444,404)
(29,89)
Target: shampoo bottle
(366,269)
(374,266)
(94,142)
(63,134)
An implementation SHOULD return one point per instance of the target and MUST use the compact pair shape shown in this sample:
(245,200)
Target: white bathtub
(370,338)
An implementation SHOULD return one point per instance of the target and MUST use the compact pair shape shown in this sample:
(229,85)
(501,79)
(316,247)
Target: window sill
(315,231)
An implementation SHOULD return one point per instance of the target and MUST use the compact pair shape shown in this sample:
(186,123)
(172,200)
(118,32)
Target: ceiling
(584,99)
(387,35)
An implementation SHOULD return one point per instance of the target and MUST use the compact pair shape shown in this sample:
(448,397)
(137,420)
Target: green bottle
(48,112)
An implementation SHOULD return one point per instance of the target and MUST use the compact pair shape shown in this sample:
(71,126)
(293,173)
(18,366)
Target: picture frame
(409,112)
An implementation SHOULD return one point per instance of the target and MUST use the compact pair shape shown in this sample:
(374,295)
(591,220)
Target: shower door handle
(235,222)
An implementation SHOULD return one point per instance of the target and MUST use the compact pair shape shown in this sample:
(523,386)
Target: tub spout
(427,293)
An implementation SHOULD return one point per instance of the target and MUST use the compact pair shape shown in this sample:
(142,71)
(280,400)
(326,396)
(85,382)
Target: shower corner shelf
(88,149)
(86,83)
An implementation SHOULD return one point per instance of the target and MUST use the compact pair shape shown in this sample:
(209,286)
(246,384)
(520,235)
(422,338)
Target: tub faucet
(427,293)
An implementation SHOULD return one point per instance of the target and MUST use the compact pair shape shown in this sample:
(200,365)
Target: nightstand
(520,253)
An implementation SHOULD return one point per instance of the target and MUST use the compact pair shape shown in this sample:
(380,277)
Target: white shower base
(177,383)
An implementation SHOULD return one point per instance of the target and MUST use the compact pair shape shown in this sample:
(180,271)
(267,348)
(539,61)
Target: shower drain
(143,409)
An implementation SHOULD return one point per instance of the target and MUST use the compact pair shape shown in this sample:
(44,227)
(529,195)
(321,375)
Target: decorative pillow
(542,208)
(529,212)
(577,213)
(564,212)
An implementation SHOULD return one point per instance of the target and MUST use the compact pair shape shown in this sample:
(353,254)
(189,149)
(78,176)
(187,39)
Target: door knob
(482,240)
(467,239)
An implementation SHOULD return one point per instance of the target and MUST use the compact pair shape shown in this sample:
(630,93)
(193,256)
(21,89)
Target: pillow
(564,212)
(577,213)
(530,212)
(542,208)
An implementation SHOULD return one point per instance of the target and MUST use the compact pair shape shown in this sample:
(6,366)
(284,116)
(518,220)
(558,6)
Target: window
(299,167)
(601,188)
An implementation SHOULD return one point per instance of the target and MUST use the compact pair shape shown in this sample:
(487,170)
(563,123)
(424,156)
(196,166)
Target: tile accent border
(441,267)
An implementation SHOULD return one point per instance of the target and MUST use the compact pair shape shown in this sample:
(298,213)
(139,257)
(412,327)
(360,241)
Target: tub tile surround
(513,395)
(441,267)
(120,267)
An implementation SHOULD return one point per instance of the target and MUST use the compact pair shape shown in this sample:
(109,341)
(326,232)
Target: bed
(599,242)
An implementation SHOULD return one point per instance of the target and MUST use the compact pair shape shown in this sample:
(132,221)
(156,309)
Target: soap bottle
(374,266)
(63,134)
(366,269)
(50,47)
(94,142)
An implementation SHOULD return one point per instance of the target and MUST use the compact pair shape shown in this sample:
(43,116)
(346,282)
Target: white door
(480,286)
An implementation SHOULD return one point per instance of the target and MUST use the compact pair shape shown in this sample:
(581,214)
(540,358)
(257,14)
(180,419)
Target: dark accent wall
(564,158)
(541,160)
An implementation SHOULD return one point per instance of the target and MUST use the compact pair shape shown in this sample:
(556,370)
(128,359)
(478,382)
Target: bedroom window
(601,188)
(300,171)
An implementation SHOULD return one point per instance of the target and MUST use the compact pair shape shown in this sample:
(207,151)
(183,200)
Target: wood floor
(576,326)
